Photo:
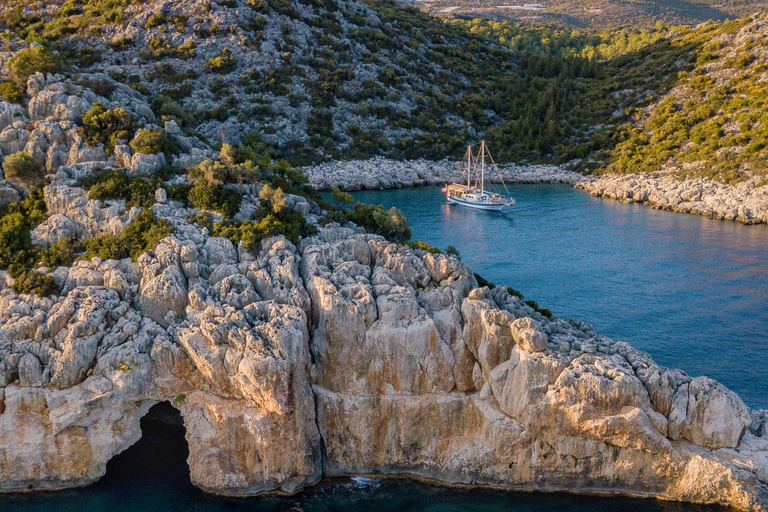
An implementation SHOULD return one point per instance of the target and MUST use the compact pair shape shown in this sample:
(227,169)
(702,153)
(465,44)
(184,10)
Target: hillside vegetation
(599,14)
(311,81)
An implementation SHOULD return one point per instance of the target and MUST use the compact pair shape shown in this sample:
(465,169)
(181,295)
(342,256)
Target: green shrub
(11,92)
(179,192)
(223,63)
(452,251)
(34,282)
(273,198)
(106,247)
(334,216)
(289,224)
(138,237)
(107,126)
(115,185)
(203,219)
(340,197)
(23,169)
(155,20)
(206,196)
(15,239)
(533,304)
(30,61)
(390,224)
(424,246)
(152,141)
(481,281)
(225,170)
(61,254)
(514,292)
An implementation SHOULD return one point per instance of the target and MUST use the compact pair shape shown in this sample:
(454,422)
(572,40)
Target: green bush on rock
(138,237)
(11,92)
(152,141)
(30,61)
(390,224)
(34,282)
(24,170)
(101,125)
(115,184)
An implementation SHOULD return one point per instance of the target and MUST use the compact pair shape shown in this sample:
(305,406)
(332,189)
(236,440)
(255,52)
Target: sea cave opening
(158,458)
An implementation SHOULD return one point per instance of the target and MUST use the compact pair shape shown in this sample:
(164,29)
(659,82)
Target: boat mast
(482,167)
(469,166)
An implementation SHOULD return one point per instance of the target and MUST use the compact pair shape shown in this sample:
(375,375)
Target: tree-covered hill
(598,14)
(316,80)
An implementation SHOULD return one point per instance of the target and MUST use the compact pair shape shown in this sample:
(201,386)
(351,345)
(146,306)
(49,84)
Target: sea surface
(693,292)
(152,476)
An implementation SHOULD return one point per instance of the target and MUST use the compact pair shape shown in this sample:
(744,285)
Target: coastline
(744,202)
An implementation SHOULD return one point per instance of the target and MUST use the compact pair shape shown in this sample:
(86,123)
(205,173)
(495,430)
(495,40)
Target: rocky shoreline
(745,202)
(340,354)
(346,355)
(383,173)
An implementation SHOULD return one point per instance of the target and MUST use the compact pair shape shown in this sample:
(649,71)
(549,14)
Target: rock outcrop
(745,202)
(382,173)
(351,355)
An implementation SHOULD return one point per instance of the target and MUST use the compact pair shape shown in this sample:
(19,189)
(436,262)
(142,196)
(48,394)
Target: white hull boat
(473,193)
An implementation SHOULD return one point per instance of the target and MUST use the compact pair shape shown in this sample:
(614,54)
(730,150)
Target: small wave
(365,482)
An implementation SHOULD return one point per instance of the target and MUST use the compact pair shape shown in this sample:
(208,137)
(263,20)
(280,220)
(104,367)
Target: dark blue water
(691,291)
(152,476)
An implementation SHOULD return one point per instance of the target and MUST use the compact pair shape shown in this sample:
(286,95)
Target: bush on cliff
(267,222)
(390,224)
(423,246)
(152,141)
(206,196)
(33,282)
(223,63)
(107,126)
(138,237)
(16,221)
(116,184)
(24,170)
(11,92)
(30,61)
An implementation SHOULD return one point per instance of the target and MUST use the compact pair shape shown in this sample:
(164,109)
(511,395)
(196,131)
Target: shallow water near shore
(691,291)
(152,476)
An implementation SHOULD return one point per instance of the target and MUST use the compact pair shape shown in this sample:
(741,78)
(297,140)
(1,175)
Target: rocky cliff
(348,354)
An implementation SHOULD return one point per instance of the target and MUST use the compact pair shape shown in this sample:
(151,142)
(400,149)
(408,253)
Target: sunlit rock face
(351,355)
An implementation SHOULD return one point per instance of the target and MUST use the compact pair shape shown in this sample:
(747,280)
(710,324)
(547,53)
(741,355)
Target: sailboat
(473,194)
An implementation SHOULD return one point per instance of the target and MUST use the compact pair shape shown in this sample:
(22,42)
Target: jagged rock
(55,228)
(382,173)
(8,195)
(382,358)
(528,334)
(744,202)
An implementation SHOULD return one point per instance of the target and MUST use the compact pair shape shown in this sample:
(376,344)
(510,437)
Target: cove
(691,291)
(153,476)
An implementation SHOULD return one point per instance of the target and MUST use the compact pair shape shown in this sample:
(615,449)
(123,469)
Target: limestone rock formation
(745,202)
(346,354)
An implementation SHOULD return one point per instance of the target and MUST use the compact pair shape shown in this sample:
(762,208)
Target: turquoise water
(691,291)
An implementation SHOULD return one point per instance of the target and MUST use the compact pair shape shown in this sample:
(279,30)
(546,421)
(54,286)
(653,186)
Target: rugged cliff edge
(349,355)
